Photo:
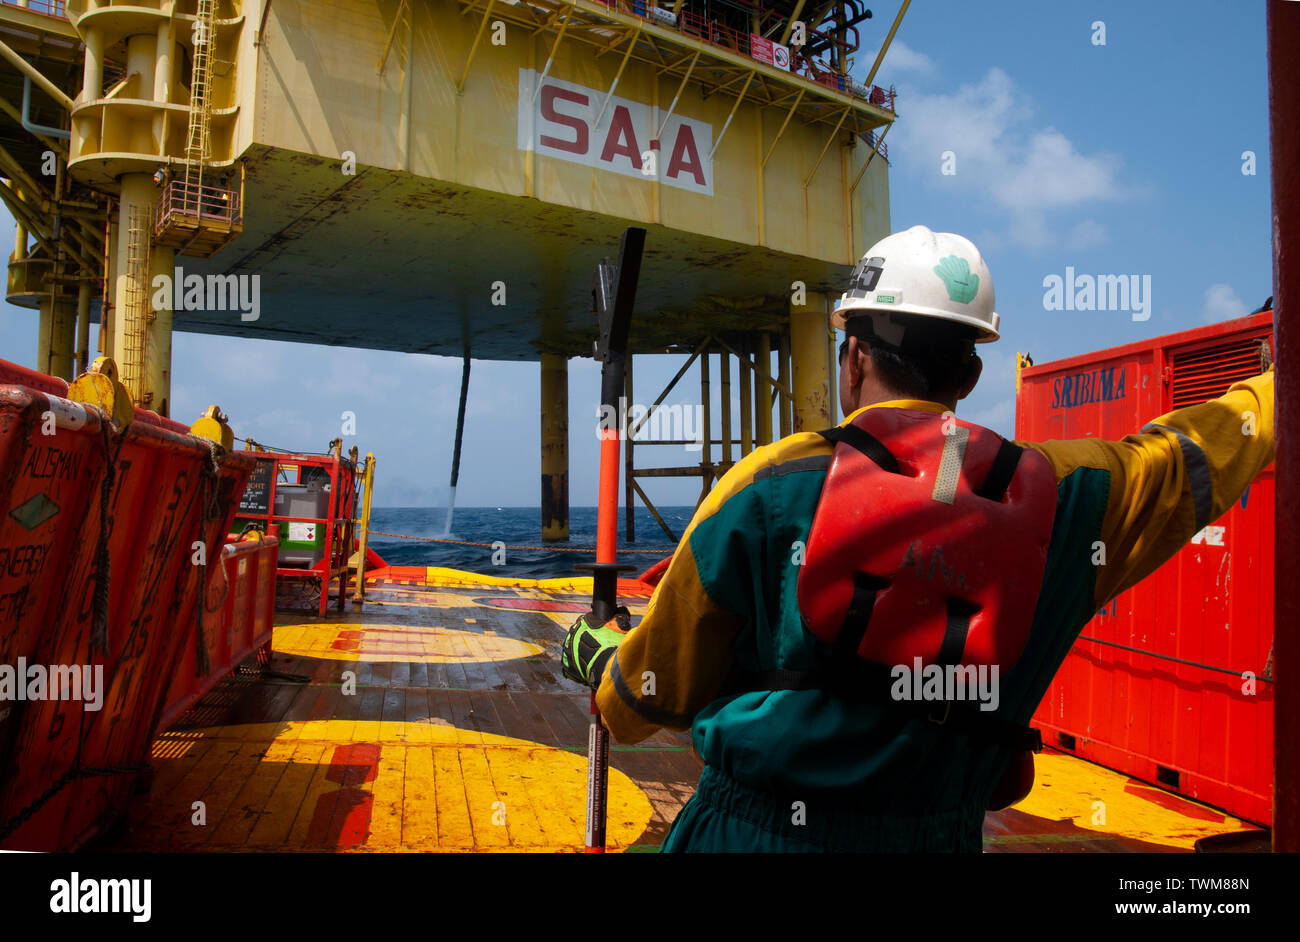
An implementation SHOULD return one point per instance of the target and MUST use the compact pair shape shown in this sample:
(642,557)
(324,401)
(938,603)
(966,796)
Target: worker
(859,622)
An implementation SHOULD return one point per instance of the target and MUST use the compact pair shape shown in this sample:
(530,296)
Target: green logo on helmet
(957,278)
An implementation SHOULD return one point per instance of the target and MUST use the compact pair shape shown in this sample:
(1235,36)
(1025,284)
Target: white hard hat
(923,273)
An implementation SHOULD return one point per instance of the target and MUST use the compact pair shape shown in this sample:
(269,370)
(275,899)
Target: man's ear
(852,361)
(976,368)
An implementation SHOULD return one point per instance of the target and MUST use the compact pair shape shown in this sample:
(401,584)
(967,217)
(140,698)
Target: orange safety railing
(213,203)
(336,477)
(238,600)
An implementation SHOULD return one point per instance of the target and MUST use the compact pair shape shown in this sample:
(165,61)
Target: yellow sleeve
(676,661)
(1179,474)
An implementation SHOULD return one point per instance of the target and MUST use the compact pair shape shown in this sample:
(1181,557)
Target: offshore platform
(439,177)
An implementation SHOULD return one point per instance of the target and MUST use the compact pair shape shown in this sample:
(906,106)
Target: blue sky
(1117,159)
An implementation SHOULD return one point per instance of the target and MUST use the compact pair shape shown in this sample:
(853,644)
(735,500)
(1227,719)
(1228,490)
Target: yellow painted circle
(382,643)
(425,786)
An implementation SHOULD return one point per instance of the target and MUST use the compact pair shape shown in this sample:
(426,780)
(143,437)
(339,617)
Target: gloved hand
(588,648)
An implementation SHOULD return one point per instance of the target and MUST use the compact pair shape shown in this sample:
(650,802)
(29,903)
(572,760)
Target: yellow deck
(436,719)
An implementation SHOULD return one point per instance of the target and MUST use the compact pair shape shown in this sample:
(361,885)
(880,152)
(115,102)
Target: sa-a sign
(560,121)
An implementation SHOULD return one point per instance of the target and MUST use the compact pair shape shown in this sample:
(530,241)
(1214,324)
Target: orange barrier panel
(240,605)
(74,491)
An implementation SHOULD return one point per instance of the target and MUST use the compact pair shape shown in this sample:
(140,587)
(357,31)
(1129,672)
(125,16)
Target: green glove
(587,649)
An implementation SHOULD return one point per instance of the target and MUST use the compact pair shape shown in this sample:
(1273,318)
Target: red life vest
(927,544)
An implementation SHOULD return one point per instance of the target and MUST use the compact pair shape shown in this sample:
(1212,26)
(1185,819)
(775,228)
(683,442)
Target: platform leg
(810,373)
(555,448)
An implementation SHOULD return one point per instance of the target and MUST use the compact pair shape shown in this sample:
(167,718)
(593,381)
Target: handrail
(201,201)
(697,26)
(54,8)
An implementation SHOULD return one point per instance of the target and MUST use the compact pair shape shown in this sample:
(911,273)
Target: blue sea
(515,526)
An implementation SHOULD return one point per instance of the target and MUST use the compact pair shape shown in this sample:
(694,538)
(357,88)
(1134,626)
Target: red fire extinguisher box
(1172,682)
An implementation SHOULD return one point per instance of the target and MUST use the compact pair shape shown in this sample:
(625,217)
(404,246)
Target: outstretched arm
(1180,473)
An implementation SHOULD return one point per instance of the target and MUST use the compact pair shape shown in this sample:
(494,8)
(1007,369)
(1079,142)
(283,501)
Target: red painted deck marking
(535,605)
(351,641)
(342,818)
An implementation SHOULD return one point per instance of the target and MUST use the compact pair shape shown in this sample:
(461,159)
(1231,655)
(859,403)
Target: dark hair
(933,362)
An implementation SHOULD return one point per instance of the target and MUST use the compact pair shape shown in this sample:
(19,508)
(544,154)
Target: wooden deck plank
(370,709)
(479,674)
(522,719)
(481,798)
(388,800)
(419,801)
(512,773)
(486,719)
(288,799)
(454,821)
(418,674)
(252,802)
(460,714)
(399,674)
(225,813)
(393,706)
(317,786)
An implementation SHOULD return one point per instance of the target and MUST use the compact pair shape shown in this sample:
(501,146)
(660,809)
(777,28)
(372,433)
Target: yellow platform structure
(442,177)
(387,145)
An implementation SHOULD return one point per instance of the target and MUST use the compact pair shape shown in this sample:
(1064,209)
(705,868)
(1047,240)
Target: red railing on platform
(238,602)
(698,26)
(337,477)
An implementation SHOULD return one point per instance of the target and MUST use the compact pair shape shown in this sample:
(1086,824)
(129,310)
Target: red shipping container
(1158,684)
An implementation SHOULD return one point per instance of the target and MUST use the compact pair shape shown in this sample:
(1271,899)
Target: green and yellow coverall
(794,770)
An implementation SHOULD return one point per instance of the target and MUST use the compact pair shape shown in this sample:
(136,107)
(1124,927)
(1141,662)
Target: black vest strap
(865,589)
(864,442)
(955,633)
(1000,474)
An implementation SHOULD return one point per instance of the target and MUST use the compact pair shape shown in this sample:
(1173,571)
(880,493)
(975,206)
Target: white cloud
(1025,171)
(900,58)
(1221,304)
(971,123)
(1052,174)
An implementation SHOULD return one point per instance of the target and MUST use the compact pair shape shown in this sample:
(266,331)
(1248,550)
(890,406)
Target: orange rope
(544,549)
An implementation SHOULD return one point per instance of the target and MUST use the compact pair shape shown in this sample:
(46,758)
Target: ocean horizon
(520,530)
